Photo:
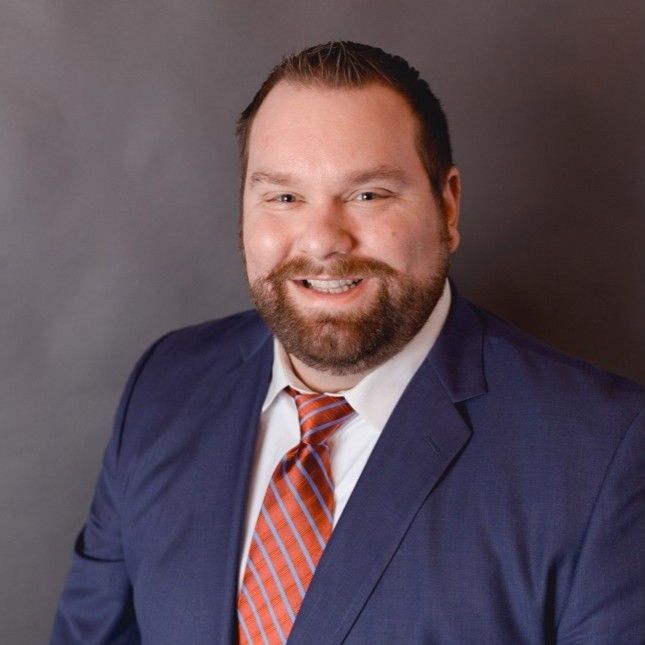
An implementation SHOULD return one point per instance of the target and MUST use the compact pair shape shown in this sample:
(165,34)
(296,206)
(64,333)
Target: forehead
(305,125)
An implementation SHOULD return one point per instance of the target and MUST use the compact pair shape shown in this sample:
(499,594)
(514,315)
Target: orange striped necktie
(293,527)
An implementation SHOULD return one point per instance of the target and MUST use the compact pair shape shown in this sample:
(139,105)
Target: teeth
(331,286)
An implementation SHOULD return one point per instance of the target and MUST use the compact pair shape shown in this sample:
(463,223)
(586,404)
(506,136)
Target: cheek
(265,246)
(403,250)
(412,252)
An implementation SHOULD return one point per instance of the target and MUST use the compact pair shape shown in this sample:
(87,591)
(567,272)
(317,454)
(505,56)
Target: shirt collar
(375,396)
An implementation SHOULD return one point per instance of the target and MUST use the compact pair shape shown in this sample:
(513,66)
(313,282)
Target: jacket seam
(594,506)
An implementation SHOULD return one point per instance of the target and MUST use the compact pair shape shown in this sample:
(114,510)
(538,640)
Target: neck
(319,381)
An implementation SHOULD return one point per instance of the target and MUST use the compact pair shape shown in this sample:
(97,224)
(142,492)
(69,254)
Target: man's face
(346,249)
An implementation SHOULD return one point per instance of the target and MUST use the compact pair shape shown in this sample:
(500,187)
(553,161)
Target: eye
(284,198)
(367,196)
(372,195)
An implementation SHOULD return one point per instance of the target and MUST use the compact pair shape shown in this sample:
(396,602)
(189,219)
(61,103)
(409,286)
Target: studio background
(119,204)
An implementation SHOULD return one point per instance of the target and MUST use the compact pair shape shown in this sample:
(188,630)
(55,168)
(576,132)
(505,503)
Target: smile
(331,286)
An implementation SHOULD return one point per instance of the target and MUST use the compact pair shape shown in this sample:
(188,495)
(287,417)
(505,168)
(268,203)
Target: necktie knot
(320,415)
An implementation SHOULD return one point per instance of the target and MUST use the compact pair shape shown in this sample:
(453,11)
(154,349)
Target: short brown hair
(345,64)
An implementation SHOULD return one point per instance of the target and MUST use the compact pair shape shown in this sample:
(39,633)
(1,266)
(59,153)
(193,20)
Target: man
(377,461)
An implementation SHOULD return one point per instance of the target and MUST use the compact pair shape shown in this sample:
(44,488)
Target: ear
(451,195)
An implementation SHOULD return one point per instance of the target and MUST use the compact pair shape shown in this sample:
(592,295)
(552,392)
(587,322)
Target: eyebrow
(382,171)
(270,177)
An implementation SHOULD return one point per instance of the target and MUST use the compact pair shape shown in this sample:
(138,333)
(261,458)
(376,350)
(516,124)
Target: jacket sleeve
(606,603)
(96,603)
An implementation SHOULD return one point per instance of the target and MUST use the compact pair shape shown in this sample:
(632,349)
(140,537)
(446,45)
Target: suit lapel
(229,411)
(423,437)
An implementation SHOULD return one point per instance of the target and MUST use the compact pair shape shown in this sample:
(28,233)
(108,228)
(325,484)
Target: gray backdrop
(118,198)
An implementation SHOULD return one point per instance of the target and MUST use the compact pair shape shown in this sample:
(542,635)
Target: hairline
(377,79)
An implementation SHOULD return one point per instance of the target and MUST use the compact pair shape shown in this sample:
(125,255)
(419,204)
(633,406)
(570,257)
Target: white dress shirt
(373,399)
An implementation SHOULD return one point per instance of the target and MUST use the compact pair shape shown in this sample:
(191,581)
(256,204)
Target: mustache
(340,268)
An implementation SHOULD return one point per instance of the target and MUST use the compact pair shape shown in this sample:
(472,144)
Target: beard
(353,342)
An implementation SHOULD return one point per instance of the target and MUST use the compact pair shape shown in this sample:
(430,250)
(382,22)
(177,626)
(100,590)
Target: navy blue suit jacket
(503,502)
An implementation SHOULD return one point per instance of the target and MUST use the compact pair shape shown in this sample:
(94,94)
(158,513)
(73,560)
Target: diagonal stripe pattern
(293,527)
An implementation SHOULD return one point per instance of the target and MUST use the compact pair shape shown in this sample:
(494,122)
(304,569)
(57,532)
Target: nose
(326,232)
